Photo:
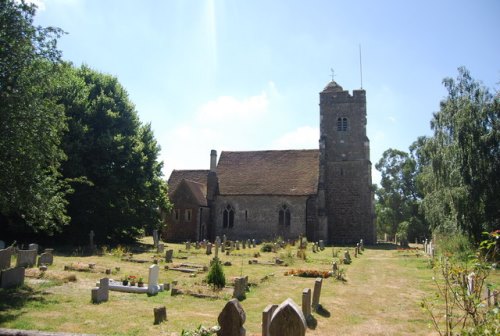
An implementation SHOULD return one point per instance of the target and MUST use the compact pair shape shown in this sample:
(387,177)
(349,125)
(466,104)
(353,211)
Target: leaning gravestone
(287,320)
(26,258)
(317,292)
(12,277)
(231,319)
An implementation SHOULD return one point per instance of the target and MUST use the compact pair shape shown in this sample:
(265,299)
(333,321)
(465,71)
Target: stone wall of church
(257,217)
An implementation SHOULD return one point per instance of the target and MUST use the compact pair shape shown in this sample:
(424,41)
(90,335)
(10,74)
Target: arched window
(342,124)
(228,217)
(284,216)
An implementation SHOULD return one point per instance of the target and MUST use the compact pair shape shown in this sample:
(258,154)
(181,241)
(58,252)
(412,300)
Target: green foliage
(112,160)
(457,246)
(464,307)
(461,183)
(216,276)
(31,124)
(266,247)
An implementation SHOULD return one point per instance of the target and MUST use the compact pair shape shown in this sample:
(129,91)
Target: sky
(246,74)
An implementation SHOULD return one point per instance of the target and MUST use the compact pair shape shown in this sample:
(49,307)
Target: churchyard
(378,293)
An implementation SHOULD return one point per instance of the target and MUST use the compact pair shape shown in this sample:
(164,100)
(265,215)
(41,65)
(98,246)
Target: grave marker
(287,320)
(5,257)
(267,313)
(240,286)
(168,256)
(33,246)
(101,293)
(160,314)
(209,249)
(160,248)
(317,292)
(12,277)
(26,258)
(45,259)
(231,319)
(155,238)
(306,302)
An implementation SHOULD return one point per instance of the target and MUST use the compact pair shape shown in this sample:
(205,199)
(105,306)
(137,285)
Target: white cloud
(228,109)
(302,138)
(392,119)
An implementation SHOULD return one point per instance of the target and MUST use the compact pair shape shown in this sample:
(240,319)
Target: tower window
(177,215)
(342,124)
(188,213)
(228,217)
(284,217)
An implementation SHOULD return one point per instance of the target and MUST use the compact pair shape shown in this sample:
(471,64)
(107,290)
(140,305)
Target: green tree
(32,197)
(112,159)
(398,198)
(463,184)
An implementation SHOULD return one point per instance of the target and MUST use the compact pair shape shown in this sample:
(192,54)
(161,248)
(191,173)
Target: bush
(266,247)
(457,246)
(216,276)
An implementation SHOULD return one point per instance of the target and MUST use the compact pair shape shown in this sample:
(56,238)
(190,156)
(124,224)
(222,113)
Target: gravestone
(168,256)
(155,238)
(12,277)
(243,244)
(197,245)
(101,293)
(314,247)
(267,313)
(153,287)
(26,258)
(33,246)
(306,302)
(335,268)
(160,314)
(362,244)
(240,286)
(237,245)
(347,257)
(317,292)
(2,244)
(209,249)
(322,245)
(249,243)
(217,240)
(216,255)
(188,245)
(224,239)
(223,248)
(231,319)
(287,320)
(45,259)
(254,243)
(160,248)
(356,252)
(5,257)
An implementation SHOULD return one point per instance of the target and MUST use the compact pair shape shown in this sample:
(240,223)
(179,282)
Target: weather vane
(333,74)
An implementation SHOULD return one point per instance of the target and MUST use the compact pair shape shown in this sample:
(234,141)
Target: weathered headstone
(335,268)
(155,238)
(347,257)
(306,302)
(356,252)
(160,248)
(26,258)
(197,245)
(160,314)
(188,245)
(267,314)
(243,244)
(209,249)
(224,239)
(362,244)
(153,287)
(101,293)
(240,286)
(231,319)
(5,257)
(168,256)
(317,292)
(218,240)
(216,249)
(33,246)
(254,243)
(237,245)
(249,243)
(287,320)
(322,245)
(12,277)
(45,259)
(223,247)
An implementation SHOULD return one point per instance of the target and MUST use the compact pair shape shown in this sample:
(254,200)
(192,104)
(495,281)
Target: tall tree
(465,159)
(32,193)
(398,198)
(112,159)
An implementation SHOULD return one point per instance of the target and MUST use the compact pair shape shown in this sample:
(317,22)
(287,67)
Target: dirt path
(381,297)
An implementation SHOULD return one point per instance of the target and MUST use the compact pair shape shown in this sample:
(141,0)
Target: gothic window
(284,216)
(342,124)
(228,217)
(177,215)
(188,213)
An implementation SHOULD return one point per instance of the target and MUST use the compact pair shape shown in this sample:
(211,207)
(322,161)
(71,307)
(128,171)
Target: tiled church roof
(279,172)
(198,176)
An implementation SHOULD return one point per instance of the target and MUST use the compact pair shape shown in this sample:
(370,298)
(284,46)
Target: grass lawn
(381,296)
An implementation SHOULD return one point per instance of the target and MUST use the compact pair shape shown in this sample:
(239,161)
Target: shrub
(216,276)
(266,247)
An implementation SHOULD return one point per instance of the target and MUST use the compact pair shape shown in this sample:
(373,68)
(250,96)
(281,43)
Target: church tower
(345,197)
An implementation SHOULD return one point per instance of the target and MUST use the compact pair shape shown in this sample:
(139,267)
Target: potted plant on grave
(131,279)
(125,281)
(140,283)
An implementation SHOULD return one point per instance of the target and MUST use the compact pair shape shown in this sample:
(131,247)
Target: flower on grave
(131,278)
(140,280)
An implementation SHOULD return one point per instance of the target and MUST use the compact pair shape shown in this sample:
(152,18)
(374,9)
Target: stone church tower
(345,197)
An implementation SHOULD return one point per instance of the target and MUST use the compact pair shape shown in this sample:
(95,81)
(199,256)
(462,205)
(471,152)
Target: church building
(323,193)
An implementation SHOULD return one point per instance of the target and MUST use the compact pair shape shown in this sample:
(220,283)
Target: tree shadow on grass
(384,246)
(14,299)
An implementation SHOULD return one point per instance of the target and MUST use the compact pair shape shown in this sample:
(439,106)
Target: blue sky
(245,75)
